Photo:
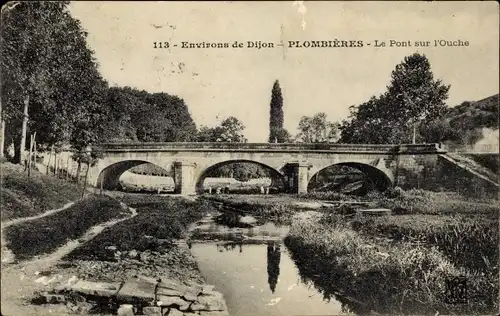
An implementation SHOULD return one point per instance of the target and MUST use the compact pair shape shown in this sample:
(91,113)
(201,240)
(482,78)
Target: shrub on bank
(418,201)
(470,241)
(46,234)
(402,278)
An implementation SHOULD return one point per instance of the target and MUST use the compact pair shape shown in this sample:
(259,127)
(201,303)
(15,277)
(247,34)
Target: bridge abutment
(184,178)
(296,177)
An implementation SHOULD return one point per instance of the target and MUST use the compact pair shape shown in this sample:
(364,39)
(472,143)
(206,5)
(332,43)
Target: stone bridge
(387,165)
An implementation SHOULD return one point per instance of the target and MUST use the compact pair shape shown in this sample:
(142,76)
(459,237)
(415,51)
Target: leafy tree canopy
(276,116)
(317,129)
(412,96)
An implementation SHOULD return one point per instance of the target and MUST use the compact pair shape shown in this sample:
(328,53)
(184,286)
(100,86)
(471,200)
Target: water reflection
(253,269)
(214,228)
(259,279)
(273,264)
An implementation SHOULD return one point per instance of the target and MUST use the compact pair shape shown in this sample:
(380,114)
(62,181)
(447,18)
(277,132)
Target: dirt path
(20,280)
(7,255)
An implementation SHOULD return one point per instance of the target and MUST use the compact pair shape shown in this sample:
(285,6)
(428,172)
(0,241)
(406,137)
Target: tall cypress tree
(276,114)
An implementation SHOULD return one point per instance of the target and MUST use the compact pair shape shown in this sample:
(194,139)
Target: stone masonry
(141,295)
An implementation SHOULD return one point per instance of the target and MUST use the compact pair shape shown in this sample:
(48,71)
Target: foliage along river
(253,269)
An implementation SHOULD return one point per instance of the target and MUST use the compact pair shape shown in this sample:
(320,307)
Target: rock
(172,285)
(145,257)
(197,287)
(248,220)
(168,292)
(95,288)
(125,310)
(207,289)
(112,248)
(190,297)
(152,310)
(133,253)
(184,307)
(213,302)
(175,312)
(138,289)
(167,301)
(54,298)
(213,313)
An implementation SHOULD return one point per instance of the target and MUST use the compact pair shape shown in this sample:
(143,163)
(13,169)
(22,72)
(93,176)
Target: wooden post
(48,162)
(29,155)
(55,162)
(102,181)
(24,128)
(36,151)
(67,167)
(414,132)
(85,181)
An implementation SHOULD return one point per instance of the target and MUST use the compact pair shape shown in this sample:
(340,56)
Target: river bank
(394,264)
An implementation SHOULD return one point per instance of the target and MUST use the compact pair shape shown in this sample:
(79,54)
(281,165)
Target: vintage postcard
(247,158)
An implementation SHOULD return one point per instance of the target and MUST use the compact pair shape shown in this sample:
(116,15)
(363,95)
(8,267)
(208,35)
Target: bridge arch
(276,175)
(110,175)
(380,179)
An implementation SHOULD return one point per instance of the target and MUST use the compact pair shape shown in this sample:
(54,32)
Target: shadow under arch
(277,176)
(110,176)
(379,178)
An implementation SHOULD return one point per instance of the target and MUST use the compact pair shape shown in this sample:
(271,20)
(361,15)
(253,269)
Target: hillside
(482,113)
(23,196)
(469,123)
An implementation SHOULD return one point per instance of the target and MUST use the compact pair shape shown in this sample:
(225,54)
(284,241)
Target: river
(253,269)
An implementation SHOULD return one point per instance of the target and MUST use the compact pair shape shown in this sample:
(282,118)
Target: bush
(390,279)
(470,241)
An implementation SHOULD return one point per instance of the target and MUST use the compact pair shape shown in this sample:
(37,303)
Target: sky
(220,82)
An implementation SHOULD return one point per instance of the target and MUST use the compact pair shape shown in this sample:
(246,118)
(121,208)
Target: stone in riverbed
(168,301)
(248,220)
(126,310)
(152,311)
(212,302)
(213,313)
(207,289)
(168,292)
(137,290)
(190,296)
(174,312)
(95,288)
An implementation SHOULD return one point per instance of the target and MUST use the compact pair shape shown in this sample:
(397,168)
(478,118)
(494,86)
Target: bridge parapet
(271,147)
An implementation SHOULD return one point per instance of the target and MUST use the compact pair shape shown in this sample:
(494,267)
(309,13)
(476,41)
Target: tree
(47,72)
(130,117)
(412,96)
(229,131)
(276,133)
(317,129)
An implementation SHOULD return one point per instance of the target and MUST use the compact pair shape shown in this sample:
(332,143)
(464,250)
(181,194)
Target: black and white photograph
(249,158)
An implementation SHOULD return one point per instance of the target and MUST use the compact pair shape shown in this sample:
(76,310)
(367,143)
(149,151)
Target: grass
(160,220)
(23,196)
(398,278)
(470,241)
(46,234)
(427,202)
